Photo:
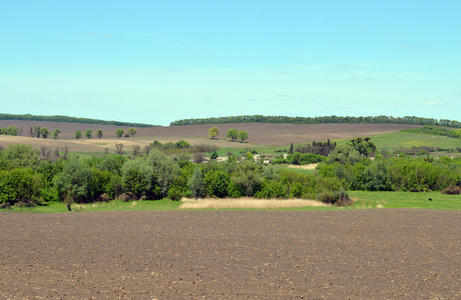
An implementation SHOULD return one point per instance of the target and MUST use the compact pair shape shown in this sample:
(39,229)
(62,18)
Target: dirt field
(259,133)
(360,254)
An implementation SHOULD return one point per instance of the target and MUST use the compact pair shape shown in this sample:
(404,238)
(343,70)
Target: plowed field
(258,133)
(361,254)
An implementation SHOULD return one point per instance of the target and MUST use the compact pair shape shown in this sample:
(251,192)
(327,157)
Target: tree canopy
(214,132)
(411,120)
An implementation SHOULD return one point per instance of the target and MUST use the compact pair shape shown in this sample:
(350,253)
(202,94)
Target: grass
(116,205)
(362,200)
(402,139)
(248,203)
(298,170)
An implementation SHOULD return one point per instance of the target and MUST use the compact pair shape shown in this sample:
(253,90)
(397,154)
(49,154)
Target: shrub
(19,185)
(452,190)
(339,197)
(175,193)
(126,197)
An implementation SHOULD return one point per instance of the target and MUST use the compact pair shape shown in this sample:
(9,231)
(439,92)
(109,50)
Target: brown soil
(259,133)
(360,254)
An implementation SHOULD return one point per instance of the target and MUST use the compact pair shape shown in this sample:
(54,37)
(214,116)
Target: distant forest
(319,120)
(66,119)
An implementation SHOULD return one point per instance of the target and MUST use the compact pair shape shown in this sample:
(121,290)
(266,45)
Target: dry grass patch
(247,202)
(305,167)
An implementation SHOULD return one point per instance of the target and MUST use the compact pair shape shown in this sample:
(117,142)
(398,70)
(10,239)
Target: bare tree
(198,157)
(119,148)
(45,153)
(136,149)
(20,130)
(66,151)
(147,149)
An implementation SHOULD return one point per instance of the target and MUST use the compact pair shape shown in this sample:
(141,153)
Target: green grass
(402,139)
(58,207)
(362,200)
(404,200)
(239,151)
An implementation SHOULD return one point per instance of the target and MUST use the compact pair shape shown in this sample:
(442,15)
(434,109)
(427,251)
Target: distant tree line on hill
(66,119)
(319,120)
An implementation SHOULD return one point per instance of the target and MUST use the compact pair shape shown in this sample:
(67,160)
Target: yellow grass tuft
(247,202)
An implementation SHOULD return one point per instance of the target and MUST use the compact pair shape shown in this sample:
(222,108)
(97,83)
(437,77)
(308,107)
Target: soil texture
(359,254)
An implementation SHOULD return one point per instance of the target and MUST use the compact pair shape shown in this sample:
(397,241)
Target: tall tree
(243,135)
(119,148)
(233,134)
(132,131)
(196,184)
(119,132)
(44,132)
(214,132)
(98,133)
(55,133)
(78,134)
(89,133)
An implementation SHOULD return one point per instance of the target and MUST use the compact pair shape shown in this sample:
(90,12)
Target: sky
(159,61)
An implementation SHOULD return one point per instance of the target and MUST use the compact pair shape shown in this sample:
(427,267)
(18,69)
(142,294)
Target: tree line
(410,120)
(29,176)
(66,119)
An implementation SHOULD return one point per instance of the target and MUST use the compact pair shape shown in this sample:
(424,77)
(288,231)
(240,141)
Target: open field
(260,135)
(359,254)
(394,140)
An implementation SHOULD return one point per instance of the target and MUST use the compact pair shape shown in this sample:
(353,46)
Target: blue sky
(159,61)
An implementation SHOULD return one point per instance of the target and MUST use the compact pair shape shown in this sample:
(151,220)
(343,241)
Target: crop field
(350,254)
(394,140)
(261,136)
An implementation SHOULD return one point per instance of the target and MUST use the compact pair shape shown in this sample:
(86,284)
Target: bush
(338,198)
(452,190)
(126,197)
(174,193)
(19,185)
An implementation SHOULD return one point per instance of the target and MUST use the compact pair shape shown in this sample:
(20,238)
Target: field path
(359,254)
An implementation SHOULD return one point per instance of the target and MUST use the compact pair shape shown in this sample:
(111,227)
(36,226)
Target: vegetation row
(411,120)
(66,119)
(30,176)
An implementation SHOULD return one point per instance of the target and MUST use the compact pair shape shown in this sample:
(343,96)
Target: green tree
(196,184)
(74,182)
(44,132)
(89,133)
(166,170)
(138,177)
(243,135)
(19,156)
(37,131)
(132,131)
(119,132)
(55,133)
(213,132)
(19,185)
(233,134)
(78,134)
(98,133)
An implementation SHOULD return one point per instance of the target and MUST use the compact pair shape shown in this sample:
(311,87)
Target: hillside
(259,134)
